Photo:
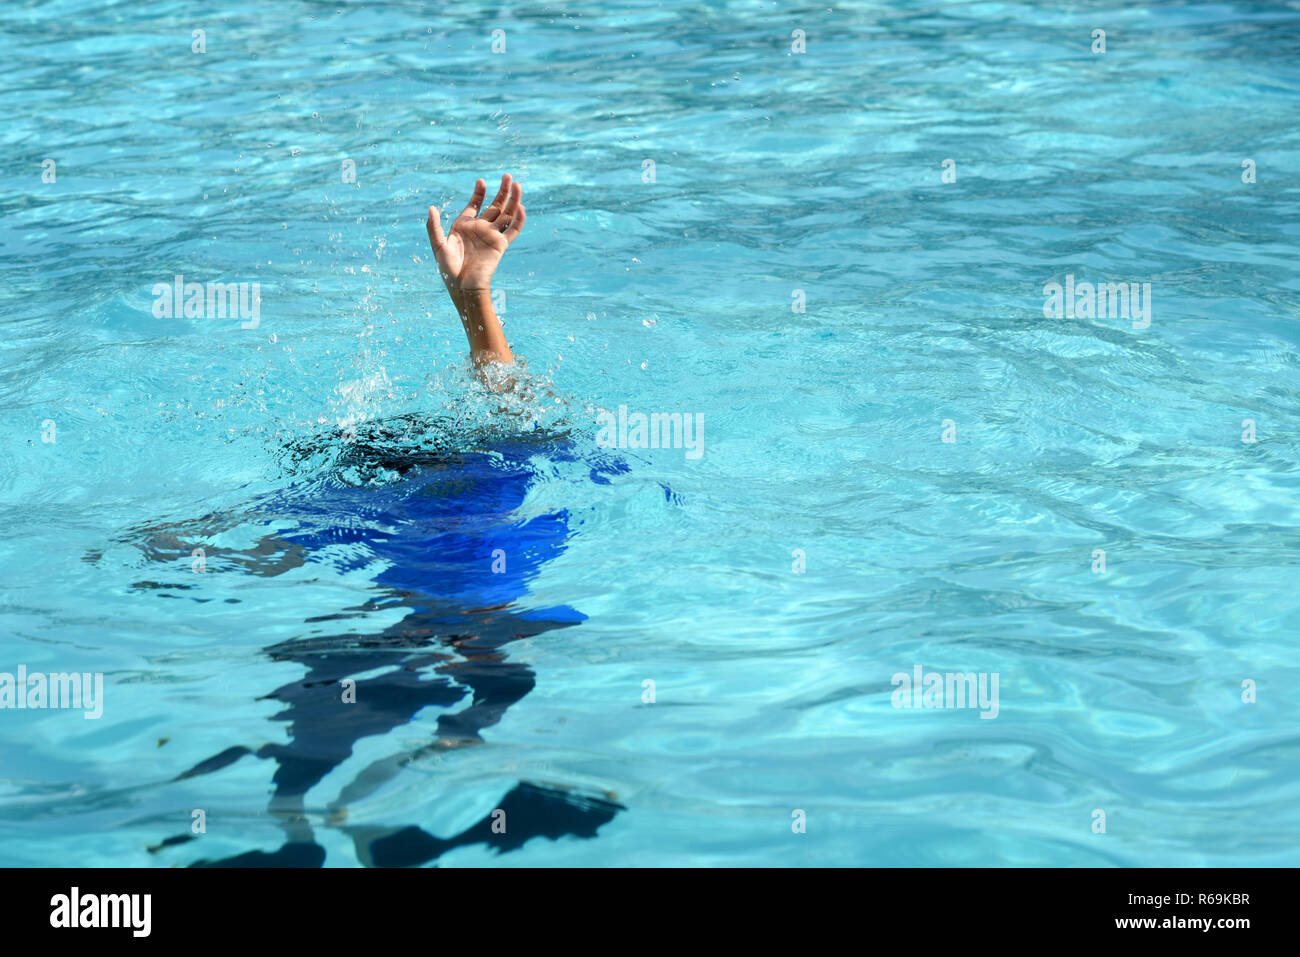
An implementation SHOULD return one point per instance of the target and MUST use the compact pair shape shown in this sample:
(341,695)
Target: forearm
(487,340)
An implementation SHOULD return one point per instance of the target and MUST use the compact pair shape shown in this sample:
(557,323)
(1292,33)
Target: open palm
(468,253)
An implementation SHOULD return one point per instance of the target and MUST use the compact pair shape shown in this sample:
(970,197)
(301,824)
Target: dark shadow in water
(459,560)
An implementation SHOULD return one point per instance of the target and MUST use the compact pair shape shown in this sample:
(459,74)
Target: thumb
(434,227)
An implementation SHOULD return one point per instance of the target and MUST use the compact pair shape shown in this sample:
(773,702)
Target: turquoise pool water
(641,656)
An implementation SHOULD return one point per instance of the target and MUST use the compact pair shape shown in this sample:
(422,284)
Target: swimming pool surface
(641,656)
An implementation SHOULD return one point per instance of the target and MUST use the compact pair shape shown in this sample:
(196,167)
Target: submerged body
(454,556)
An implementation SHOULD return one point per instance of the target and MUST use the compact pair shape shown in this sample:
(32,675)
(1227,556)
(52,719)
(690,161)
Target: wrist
(475,298)
(462,296)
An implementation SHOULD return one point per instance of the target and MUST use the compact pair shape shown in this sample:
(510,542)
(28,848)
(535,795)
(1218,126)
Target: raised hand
(467,257)
(468,253)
